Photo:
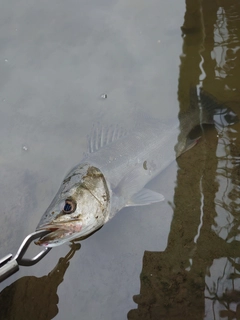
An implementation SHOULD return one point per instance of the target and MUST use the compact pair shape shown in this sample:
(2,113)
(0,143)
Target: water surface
(170,260)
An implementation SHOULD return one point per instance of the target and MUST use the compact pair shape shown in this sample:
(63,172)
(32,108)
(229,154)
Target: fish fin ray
(102,136)
(145,197)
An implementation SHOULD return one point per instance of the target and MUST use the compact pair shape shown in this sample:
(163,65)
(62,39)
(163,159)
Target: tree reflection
(198,274)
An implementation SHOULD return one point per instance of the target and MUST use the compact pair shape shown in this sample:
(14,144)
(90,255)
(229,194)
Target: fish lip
(57,230)
(65,231)
(64,225)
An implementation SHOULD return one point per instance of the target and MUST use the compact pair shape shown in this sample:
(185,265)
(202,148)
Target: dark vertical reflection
(209,63)
(198,274)
(190,59)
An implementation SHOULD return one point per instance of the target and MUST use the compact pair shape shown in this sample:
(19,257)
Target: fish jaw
(60,233)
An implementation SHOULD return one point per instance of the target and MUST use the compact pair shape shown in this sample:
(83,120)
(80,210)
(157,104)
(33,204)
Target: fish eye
(69,206)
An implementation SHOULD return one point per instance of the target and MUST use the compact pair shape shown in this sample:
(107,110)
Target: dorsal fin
(102,136)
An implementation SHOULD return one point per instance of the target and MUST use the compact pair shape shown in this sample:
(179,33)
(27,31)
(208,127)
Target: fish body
(114,173)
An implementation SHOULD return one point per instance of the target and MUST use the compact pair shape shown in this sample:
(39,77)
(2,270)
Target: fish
(119,164)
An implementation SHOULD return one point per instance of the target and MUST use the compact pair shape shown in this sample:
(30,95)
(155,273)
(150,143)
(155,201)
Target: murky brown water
(174,260)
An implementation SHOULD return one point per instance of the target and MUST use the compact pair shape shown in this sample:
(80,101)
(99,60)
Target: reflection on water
(35,298)
(198,274)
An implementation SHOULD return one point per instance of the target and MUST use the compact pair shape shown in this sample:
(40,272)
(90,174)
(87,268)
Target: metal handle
(8,268)
(9,265)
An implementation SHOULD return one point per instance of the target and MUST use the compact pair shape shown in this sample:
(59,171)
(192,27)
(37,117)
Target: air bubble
(103,96)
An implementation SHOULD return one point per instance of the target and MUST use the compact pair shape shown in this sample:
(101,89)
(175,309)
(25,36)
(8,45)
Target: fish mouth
(59,233)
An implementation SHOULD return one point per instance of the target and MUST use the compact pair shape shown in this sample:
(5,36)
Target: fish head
(80,207)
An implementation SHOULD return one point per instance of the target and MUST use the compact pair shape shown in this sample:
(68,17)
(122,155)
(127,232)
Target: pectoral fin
(144,197)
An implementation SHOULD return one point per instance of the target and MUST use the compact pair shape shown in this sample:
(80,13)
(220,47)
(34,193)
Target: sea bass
(119,164)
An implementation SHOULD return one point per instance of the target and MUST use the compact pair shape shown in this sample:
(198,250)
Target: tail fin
(214,112)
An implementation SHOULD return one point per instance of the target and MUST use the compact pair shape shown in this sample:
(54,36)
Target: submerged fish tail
(203,109)
(215,112)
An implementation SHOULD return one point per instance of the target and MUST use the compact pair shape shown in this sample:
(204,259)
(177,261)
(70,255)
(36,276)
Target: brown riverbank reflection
(197,276)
